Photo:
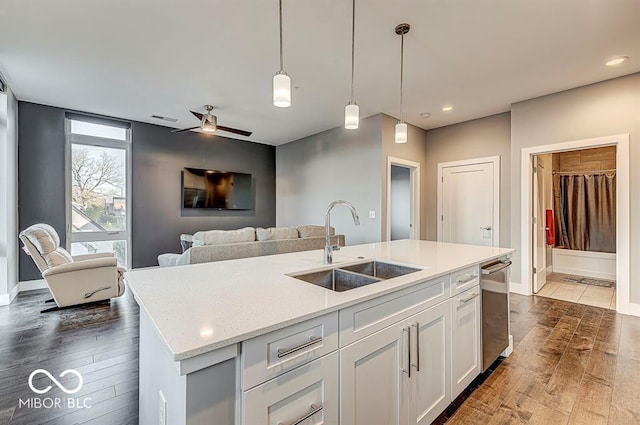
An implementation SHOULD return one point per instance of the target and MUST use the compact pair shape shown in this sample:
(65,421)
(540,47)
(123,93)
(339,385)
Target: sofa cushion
(58,257)
(276,233)
(223,237)
(314,231)
(43,237)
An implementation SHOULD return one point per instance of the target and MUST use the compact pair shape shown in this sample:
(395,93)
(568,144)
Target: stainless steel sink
(337,280)
(380,269)
(343,278)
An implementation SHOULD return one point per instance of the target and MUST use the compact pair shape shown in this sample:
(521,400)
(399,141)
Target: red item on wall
(549,228)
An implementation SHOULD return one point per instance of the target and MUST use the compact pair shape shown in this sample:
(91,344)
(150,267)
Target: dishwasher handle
(496,267)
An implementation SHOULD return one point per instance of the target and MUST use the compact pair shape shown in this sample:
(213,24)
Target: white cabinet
(466,347)
(373,386)
(400,374)
(430,381)
(306,395)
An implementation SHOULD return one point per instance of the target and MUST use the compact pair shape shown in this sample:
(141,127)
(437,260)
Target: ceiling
(135,58)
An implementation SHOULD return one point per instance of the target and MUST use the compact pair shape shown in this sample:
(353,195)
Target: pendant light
(401,126)
(352,110)
(281,81)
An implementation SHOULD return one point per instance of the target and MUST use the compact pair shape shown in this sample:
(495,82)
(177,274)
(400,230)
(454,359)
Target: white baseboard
(5,299)
(32,285)
(549,270)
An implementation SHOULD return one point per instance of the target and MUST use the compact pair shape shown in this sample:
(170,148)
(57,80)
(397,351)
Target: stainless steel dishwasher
(495,309)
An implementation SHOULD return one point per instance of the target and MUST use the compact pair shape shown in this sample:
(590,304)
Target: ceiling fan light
(281,90)
(351,116)
(209,124)
(401,132)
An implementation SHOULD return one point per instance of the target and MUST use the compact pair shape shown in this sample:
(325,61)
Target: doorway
(469,201)
(565,272)
(573,230)
(403,199)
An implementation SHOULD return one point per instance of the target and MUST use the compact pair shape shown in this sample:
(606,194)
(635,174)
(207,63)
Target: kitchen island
(243,341)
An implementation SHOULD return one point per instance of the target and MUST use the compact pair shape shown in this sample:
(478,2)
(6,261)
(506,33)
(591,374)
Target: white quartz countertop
(202,307)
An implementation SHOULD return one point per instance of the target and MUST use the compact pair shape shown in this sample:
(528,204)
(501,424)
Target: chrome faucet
(328,248)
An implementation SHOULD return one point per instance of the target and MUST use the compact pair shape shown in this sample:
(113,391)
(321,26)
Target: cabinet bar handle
(417,365)
(315,408)
(467,279)
(408,369)
(283,352)
(467,299)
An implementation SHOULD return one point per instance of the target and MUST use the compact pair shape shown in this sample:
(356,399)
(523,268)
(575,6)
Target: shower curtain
(586,214)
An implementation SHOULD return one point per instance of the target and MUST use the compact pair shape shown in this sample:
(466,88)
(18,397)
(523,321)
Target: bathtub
(599,265)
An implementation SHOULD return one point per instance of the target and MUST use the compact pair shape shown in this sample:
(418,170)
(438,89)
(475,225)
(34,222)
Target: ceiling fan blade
(198,115)
(235,131)
(181,130)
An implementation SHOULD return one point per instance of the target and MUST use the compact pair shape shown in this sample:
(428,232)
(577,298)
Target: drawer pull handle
(407,329)
(467,299)
(315,408)
(467,279)
(283,352)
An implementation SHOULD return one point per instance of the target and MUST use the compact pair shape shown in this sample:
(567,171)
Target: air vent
(159,117)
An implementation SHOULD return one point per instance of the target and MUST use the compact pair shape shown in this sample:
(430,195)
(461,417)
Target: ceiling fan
(209,124)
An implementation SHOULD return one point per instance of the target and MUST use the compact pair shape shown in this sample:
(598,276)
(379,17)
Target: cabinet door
(373,381)
(306,395)
(466,345)
(430,380)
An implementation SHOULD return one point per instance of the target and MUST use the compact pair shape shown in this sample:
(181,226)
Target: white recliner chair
(76,280)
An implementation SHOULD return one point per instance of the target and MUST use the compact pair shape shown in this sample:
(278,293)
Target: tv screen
(214,189)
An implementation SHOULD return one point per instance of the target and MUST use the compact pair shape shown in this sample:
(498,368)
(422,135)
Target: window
(98,196)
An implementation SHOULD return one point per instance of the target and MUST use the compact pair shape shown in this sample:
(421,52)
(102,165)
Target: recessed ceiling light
(425,115)
(616,61)
(447,108)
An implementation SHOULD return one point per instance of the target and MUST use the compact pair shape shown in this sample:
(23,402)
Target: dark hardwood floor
(100,342)
(572,364)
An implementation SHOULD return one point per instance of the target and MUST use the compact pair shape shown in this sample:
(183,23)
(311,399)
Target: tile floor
(596,296)
(572,364)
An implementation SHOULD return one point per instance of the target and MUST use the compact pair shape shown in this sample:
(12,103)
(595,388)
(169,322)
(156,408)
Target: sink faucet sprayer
(328,248)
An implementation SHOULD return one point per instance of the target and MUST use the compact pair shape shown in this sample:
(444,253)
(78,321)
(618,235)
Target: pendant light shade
(352,110)
(401,132)
(401,126)
(281,90)
(281,81)
(351,116)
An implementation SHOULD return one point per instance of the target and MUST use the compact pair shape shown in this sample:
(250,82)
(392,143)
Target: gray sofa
(219,245)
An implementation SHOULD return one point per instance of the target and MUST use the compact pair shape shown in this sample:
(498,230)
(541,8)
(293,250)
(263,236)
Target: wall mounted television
(213,189)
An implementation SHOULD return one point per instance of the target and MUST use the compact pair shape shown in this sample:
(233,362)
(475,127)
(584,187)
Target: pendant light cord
(353,44)
(280,15)
(401,77)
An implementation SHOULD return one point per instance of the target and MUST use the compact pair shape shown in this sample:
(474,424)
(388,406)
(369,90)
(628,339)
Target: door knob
(486,228)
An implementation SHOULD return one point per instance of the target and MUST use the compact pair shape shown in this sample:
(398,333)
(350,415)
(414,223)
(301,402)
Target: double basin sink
(344,278)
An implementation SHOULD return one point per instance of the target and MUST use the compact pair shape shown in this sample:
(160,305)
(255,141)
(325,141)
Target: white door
(466,346)
(538,227)
(430,380)
(373,381)
(469,203)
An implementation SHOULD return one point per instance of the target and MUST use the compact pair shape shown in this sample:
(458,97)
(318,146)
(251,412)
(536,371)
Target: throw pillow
(314,231)
(276,233)
(224,237)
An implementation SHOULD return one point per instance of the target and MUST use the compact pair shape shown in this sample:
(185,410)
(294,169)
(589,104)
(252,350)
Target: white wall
(8,196)
(335,164)
(400,202)
(598,110)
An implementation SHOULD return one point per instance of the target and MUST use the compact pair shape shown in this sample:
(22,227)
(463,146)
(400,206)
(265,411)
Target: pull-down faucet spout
(328,248)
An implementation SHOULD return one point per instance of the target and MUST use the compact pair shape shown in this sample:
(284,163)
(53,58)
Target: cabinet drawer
(308,394)
(267,356)
(464,279)
(363,319)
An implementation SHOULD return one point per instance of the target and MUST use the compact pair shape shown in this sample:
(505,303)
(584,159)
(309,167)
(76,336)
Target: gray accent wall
(8,195)
(490,136)
(335,164)
(158,157)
